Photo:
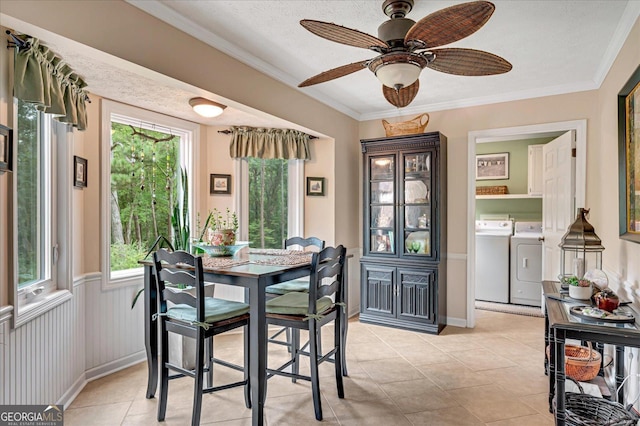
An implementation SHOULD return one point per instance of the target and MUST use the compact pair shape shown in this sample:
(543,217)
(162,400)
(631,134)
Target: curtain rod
(17,42)
(227,132)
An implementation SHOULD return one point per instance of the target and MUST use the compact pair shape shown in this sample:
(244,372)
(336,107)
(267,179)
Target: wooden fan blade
(450,24)
(469,62)
(343,35)
(334,73)
(403,97)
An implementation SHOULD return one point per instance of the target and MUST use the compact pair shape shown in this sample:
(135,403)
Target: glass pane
(417,163)
(382,192)
(416,192)
(144,185)
(268,202)
(417,217)
(418,242)
(30,189)
(382,217)
(382,167)
(382,241)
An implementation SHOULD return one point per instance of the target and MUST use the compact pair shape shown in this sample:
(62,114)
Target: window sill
(120,279)
(30,311)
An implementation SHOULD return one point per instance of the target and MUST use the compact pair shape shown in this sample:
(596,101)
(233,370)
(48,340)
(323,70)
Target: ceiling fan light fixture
(206,108)
(398,75)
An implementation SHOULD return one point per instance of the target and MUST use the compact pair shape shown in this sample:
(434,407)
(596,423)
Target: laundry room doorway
(577,132)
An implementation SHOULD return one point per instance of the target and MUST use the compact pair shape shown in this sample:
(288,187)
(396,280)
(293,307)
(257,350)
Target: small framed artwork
(6,149)
(315,186)
(79,172)
(220,184)
(492,166)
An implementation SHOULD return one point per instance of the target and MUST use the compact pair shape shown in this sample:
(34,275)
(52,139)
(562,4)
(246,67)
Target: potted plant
(222,228)
(579,288)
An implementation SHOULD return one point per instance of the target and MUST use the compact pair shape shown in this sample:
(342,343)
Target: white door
(558,199)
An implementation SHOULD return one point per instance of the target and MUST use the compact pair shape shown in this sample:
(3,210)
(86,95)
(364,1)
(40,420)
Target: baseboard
(457,322)
(73,391)
(117,365)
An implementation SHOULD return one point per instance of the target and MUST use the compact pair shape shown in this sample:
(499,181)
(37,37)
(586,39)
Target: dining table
(254,270)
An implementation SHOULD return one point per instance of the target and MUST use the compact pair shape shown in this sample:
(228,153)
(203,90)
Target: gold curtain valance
(43,78)
(264,143)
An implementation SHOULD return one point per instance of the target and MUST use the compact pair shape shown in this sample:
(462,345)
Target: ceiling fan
(405,47)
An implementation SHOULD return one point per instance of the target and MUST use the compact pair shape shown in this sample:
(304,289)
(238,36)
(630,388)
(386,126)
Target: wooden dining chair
(310,311)
(300,284)
(199,318)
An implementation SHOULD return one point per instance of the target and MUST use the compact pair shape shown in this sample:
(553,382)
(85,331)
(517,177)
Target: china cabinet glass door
(416,188)
(382,214)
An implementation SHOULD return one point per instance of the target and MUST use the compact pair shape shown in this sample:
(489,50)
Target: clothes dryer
(526,264)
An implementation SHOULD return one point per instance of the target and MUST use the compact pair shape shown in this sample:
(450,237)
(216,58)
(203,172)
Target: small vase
(223,237)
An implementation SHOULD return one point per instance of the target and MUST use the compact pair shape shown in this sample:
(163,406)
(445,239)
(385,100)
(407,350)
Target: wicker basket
(588,410)
(492,190)
(581,363)
(410,127)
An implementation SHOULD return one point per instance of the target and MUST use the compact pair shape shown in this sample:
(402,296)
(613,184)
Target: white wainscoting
(50,359)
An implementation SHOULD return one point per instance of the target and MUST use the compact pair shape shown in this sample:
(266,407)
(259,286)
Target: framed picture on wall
(6,148)
(315,186)
(492,166)
(79,172)
(220,184)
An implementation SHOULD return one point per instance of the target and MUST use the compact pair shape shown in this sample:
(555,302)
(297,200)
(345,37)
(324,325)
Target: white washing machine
(492,260)
(526,264)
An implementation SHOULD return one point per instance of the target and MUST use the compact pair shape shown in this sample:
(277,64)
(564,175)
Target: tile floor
(490,375)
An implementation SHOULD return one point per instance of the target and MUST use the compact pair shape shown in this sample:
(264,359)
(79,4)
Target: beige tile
(452,416)
(453,375)
(104,414)
(534,420)
(499,410)
(346,409)
(390,370)
(481,359)
(296,409)
(397,420)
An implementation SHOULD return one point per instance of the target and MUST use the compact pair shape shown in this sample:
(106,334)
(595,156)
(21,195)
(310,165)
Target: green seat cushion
(215,310)
(296,304)
(301,285)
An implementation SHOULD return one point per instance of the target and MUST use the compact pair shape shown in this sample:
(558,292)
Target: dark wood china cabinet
(403,267)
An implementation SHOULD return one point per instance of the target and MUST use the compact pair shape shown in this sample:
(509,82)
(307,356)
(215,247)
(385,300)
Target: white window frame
(189,133)
(56,285)
(295,202)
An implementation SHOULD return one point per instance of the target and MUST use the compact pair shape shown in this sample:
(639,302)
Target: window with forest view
(268,202)
(144,184)
(33,190)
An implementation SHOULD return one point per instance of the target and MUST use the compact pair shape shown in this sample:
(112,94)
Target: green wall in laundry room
(520,209)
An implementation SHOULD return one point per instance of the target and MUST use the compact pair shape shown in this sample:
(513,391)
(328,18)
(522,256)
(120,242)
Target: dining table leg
(150,330)
(258,350)
(560,378)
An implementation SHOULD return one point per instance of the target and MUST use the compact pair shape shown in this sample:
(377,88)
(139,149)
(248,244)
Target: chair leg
(295,351)
(247,364)
(288,334)
(315,381)
(199,379)
(209,361)
(164,370)
(338,355)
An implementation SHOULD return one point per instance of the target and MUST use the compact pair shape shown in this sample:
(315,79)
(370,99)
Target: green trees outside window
(144,181)
(268,200)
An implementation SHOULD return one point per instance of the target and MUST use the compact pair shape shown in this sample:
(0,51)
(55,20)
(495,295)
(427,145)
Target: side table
(561,325)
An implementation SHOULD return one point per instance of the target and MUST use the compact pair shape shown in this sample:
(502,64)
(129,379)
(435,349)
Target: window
(142,155)
(274,201)
(41,261)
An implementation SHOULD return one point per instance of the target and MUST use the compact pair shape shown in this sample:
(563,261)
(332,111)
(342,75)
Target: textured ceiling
(555,47)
